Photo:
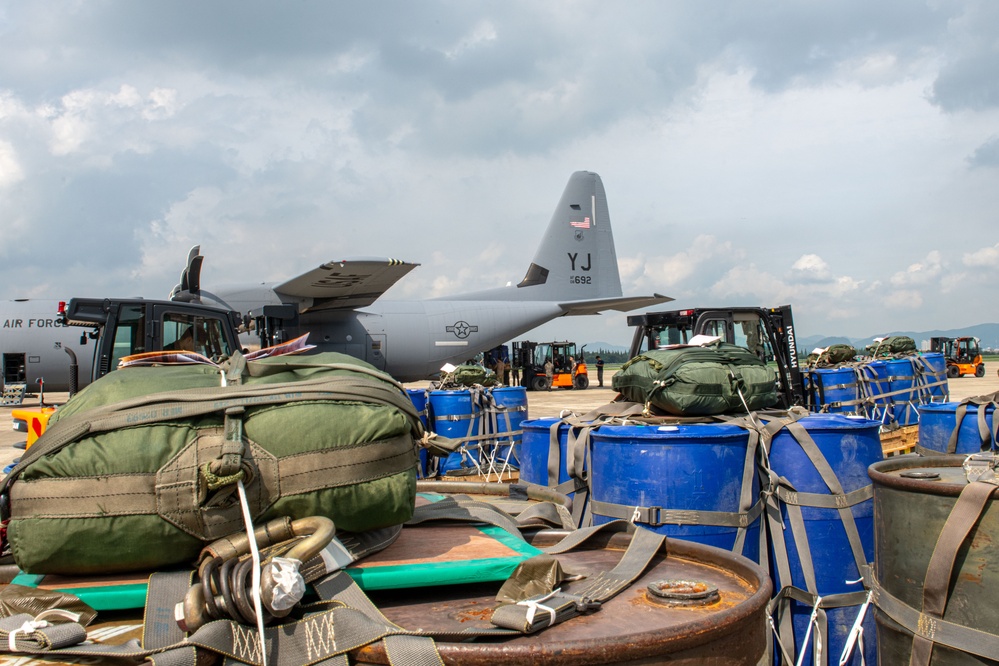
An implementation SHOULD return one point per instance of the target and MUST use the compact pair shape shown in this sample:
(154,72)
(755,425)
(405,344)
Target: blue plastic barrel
(937,421)
(661,477)
(419,399)
(535,453)
(834,390)
(485,420)
(507,415)
(849,445)
(452,415)
(875,387)
(933,378)
(902,385)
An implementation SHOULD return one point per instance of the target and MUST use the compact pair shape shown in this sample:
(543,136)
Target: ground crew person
(600,370)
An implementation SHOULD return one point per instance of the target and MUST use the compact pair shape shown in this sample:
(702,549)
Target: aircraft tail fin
(576,259)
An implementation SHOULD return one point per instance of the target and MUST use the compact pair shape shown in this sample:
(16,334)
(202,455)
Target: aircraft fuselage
(35,343)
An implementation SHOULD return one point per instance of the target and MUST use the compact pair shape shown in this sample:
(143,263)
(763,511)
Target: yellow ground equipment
(32,422)
(963,355)
(568,367)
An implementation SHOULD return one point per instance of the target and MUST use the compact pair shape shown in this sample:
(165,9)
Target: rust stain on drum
(628,628)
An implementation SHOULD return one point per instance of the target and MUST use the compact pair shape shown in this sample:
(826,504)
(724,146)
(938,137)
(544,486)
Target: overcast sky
(839,156)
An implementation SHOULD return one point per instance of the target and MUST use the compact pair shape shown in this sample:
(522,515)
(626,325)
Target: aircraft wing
(620,303)
(349,283)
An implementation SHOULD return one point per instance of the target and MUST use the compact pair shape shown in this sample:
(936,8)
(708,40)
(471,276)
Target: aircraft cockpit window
(195,334)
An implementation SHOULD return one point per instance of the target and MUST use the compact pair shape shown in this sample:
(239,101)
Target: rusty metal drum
(913,498)
(635,627)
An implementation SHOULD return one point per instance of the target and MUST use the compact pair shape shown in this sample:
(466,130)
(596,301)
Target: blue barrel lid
(543,423)
(824,421)
(946,407)
(670,433)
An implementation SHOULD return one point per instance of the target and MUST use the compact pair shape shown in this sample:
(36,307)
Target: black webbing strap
(929,378)
(781,606)
(859,404)
(837,499)
(964,515)
(935,630)
(464,509)
(988,438)
(655,516)
(159,625)
(538,613)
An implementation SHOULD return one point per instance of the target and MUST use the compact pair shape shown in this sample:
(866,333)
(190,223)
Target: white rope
(856,635)
(255,578)
(534,605)
(808,634)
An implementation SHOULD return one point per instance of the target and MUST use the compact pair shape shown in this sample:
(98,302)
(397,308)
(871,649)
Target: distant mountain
(987,333)
(806,345)
(594,347)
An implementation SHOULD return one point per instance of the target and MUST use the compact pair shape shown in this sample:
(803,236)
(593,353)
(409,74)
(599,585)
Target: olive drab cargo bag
(832,355)
(894,345)
(698,381)
(138,471)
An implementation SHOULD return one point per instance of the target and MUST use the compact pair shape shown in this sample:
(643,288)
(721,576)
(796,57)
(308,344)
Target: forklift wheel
(980,370)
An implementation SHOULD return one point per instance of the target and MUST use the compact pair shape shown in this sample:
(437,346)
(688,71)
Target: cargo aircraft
(574,272)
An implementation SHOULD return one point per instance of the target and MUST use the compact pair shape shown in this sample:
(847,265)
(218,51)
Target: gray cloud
(986,155)
(735,140)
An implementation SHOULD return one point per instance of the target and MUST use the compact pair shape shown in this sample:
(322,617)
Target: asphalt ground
(540,404)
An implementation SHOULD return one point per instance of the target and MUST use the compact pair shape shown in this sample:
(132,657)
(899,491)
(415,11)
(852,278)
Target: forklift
(531,357)
(963,355)
(767,332)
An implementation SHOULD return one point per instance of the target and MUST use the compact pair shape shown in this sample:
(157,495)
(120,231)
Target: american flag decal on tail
(585,224)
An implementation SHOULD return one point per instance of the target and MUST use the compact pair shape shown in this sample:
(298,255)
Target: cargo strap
(927,624)
(779,490)
(749,511)
(989,439)
(344,620)
(579,429)
(780,605)
(824,405)
(929,378)
(874,392)
(488,424)
(858,405)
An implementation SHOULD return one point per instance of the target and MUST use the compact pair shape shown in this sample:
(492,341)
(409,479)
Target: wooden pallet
(899,441)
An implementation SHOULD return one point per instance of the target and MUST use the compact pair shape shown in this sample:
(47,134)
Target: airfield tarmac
(540,404)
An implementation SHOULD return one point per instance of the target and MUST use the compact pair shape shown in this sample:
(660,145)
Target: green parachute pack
(698,381)
(893,345)
(832,355)
(139,470)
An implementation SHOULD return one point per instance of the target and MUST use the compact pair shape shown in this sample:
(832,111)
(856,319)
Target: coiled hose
(224,589)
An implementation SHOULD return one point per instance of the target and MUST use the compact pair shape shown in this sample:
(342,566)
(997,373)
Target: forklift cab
(745,329)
